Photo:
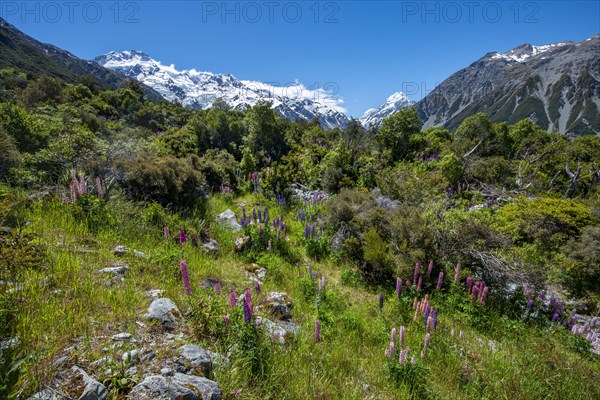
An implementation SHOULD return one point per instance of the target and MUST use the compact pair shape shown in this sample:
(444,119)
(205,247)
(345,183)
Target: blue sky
(368,50)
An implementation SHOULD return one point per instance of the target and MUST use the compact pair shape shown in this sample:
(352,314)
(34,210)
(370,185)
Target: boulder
(242,243)
(196,359)
(163,311)
(210,247)
(280,331)
(228,220)
(92,389)
(178,386)
(278,305)
(121,250)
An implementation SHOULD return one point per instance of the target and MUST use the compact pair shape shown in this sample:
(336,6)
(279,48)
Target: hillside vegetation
(475,249)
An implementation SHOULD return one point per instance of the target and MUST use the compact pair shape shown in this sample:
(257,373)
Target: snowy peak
(525,52)
(373,116)
(198,89)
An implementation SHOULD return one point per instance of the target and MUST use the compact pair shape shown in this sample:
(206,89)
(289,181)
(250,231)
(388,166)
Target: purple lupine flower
(407,283)
(254,216)
(402,357)
(435,318)
(529,304)
(232,298)
(398,287)
(425,344)
(426,313)
(394,335)
(226,320)
(416,273)
(429,268)
(185,277)
(429,323)
(457,273)
(257,288)
(555,317)
(218,288)
(317,330)
(419,284)
(469,283)
(381,302)
(542,295)
(166,232)
(248,297)
(182,237)
(247,311)
(402,330)
(440,280)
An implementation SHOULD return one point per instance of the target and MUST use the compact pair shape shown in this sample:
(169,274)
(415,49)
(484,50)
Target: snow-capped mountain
(374,116)
(198,89)
(556,85)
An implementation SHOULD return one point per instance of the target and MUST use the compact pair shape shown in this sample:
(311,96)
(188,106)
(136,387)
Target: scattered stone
(197,359)
(278,305)
(228,219)
(242,243)
(166,371)
(210,247)
(218,360)
(121,250)
(93,390)
(123,337)
(132,371)
(164,311)
(60,362)
(47,394)
(100,361)
(281,331)
(117,269)
(179,386)
(148,356)
(155,293)
(9,343)
(131,357)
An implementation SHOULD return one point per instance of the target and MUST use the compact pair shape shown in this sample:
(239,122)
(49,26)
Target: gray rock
(228,219)
(123,337)
(132,371)
(210,247)
(163,311)
(121,250)
(278,305)
(218,360)
(47,394)
(180,386)
(131,357)
(148,356)
(93,390)
(155,293)
(166,371)
(280,331)
(209,283)
(119,270)
(242,243)
(197,359)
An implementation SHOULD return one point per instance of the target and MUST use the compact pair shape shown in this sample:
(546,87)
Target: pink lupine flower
(398,287)
(416,273)
(185,277)
(402,330)
(457,273)
(469,283)
(419,284)
(429,268)
(440,280)
(232,298)
(394,335)
(217,288)
(227,320)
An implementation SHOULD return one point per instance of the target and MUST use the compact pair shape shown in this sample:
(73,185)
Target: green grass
(67,304)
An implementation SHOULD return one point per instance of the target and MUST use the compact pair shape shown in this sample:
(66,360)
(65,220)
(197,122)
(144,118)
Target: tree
(265,138)
(396,131)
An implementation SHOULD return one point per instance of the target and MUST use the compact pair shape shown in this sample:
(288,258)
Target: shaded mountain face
(556,85)
(198,89)
(374,116)
(17,50)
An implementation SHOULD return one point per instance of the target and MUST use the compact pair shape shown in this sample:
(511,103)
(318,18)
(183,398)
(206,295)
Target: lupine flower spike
(398,287)
(429,268)
(440,280)
(185,277)
(232,298)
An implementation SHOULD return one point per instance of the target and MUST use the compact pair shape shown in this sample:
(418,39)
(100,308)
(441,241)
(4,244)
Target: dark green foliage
(396,132)
(166,180)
